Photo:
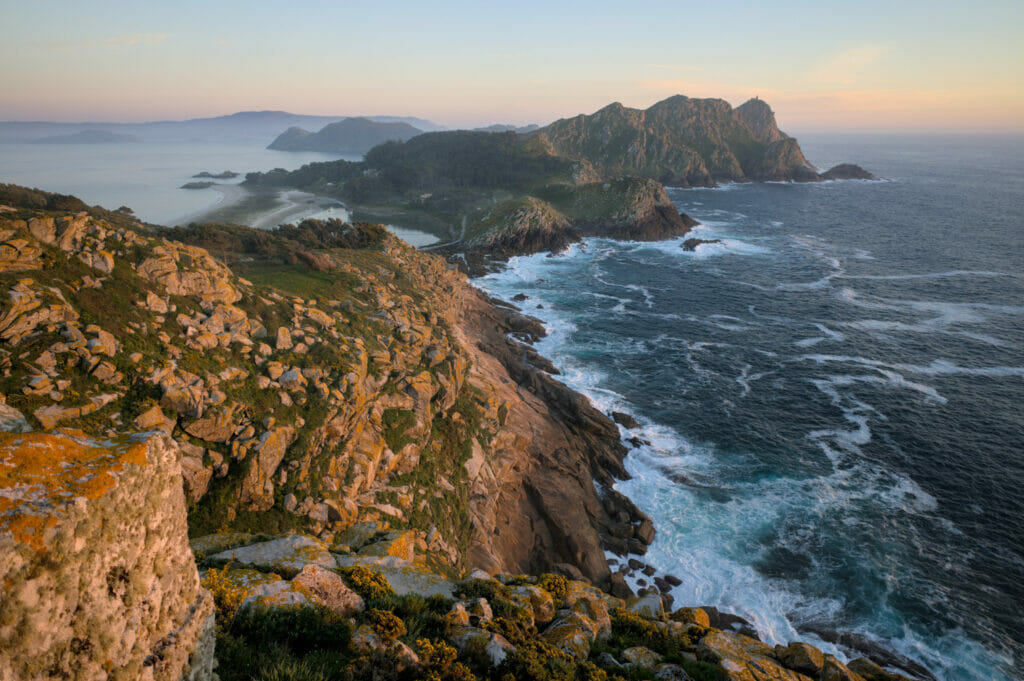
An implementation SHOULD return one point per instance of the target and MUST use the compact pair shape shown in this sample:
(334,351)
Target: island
(347,136)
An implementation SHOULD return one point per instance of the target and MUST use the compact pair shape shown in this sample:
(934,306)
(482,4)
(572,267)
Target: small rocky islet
(316,453)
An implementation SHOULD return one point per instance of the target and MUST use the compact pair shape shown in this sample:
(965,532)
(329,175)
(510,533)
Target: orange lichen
(40,472)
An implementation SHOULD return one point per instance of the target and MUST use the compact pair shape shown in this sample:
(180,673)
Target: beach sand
(268,208)
(263,209)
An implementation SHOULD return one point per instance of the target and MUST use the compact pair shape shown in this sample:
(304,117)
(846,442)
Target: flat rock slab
(290,553)
(404,577)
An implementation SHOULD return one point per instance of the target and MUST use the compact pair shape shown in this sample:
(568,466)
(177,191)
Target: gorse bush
(368,583)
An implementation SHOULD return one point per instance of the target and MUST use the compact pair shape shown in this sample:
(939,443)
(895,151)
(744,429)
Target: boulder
(641,657)
(196,477)
(692,616)
(741,658)
(400,544)
(329,589)
(648,606)
(800,657)
(537,600)
(671,672)
(572,634)
(494,646)
(257,489)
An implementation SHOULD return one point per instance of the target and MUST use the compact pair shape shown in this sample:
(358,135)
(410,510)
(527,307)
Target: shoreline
(846,644)
(267,209)
(261,210)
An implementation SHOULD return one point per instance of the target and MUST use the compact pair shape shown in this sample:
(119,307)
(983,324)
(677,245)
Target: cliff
(683,142)
(330,375)
(348,136)
(92,591)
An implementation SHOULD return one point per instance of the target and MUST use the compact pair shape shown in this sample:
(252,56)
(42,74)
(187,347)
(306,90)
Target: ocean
(832,395)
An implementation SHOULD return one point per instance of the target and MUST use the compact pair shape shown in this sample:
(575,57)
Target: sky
(898,65)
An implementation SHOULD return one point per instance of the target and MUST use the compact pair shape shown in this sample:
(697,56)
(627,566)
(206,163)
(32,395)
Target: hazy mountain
(503,127)
(349,136)
(242,127)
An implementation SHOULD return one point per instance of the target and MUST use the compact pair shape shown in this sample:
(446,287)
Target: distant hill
(684,142)
(88,137)
(248,127)
(348,136)
(501,127)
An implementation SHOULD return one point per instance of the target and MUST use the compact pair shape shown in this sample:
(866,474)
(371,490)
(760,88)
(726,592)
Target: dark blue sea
(833,396)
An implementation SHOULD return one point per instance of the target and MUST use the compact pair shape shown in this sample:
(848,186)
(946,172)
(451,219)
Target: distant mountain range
(258,127)
(348,136)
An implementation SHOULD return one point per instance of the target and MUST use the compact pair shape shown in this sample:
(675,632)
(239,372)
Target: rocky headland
(370,457)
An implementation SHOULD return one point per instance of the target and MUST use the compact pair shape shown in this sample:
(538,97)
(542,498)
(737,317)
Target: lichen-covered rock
(741,658)
(403,577)
(649,606)
(494,646)
(329,589)
(800,657)
(573,634)
(645,658)
(288,554)
(692,616)
(90,591)
(400,544)
(539,601)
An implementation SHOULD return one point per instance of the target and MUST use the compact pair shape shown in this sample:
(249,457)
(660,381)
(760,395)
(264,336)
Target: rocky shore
(349,427)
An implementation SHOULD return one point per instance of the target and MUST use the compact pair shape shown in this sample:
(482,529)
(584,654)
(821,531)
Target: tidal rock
(847,171)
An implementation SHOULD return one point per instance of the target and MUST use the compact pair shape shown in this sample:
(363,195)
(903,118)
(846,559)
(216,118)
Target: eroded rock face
(91,590)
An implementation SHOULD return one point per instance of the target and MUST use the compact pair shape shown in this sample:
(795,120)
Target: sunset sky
(865,65)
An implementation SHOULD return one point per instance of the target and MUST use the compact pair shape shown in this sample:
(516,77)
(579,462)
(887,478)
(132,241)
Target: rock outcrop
(683,142)
(98,578)
(389,396)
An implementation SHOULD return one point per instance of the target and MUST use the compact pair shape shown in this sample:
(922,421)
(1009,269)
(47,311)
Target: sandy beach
(264,209)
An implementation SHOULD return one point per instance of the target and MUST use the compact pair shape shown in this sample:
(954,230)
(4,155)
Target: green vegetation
(368,583)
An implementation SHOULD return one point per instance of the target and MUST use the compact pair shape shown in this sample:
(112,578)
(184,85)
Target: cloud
(129,40)
(843,67)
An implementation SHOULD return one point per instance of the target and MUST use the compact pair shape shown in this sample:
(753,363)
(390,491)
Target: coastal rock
(91,590)
(847,171)
(800,657)
(741,658)
(692,244)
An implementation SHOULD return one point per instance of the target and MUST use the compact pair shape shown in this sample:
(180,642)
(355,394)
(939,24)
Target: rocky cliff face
(629,208)
(683,142)
(98,579)
(347,387)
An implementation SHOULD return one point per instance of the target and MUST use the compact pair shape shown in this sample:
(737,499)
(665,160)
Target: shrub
(387,624)
(556,585)
(368,583)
